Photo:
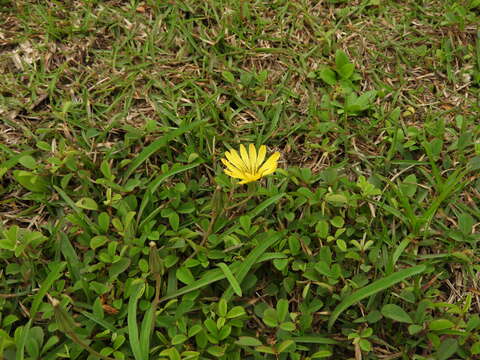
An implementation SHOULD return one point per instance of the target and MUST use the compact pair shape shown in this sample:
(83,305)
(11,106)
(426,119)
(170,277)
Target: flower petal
(245,158)
(249,178)
(231,167)
(235,160)
(252,155)
(260,156)
(234,174)
(270,165)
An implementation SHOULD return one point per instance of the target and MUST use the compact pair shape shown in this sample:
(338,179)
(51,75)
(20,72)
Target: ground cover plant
(122,237)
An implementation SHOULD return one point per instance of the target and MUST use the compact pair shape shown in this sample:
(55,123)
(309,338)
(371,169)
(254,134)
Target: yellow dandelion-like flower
(249,166)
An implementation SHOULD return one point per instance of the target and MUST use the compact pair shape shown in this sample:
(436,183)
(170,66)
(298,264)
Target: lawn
(122,236)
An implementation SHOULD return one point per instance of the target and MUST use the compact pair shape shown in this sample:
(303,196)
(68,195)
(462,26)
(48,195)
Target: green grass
(122,238)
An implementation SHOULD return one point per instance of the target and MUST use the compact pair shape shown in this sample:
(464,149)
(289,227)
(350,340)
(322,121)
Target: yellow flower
(248,166)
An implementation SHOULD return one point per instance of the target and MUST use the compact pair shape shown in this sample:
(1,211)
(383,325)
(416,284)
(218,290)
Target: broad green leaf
(440,324)
(346,71)
(118,267)
(336,199)
(248,341)
(414,329)
(12,161)
(87,203)
(28,161)
(447,349)
(287,326)
(179,339)
(465,223)
(396,313)
(98,241)
(227,75)
(171,353)
(222,308)
(235,312)
(328,76)
(282,309)
(216,351)
(341,59)
(475,349)
(270,317)
(31,181)
(408,187)
(337,221)
(184,275)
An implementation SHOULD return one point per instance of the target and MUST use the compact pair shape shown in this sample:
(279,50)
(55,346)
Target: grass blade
(158,144)
(452,184)
(173,171)
(373,288)
(231,279)
(212,276)
(74,264)
(86,222)
(106,325)
(23,339)
(209,278)
(266,240)
(397,253)
(55,271)
(132,325)
(270,201)
(146,331)
(156,183)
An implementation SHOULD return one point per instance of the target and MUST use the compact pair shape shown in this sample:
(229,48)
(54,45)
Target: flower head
(249,166)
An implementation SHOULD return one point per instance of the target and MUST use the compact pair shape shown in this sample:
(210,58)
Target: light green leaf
(285,345)
(231,279)
(248,341)
(184,275)
(396,313)
(328,76)
(98,241)
(440,324)
(31,181)
(87,203)
(135,294)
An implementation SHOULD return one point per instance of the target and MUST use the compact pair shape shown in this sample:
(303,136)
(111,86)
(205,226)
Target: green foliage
(122,238)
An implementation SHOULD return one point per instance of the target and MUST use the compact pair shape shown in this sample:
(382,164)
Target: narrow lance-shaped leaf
(373,288)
